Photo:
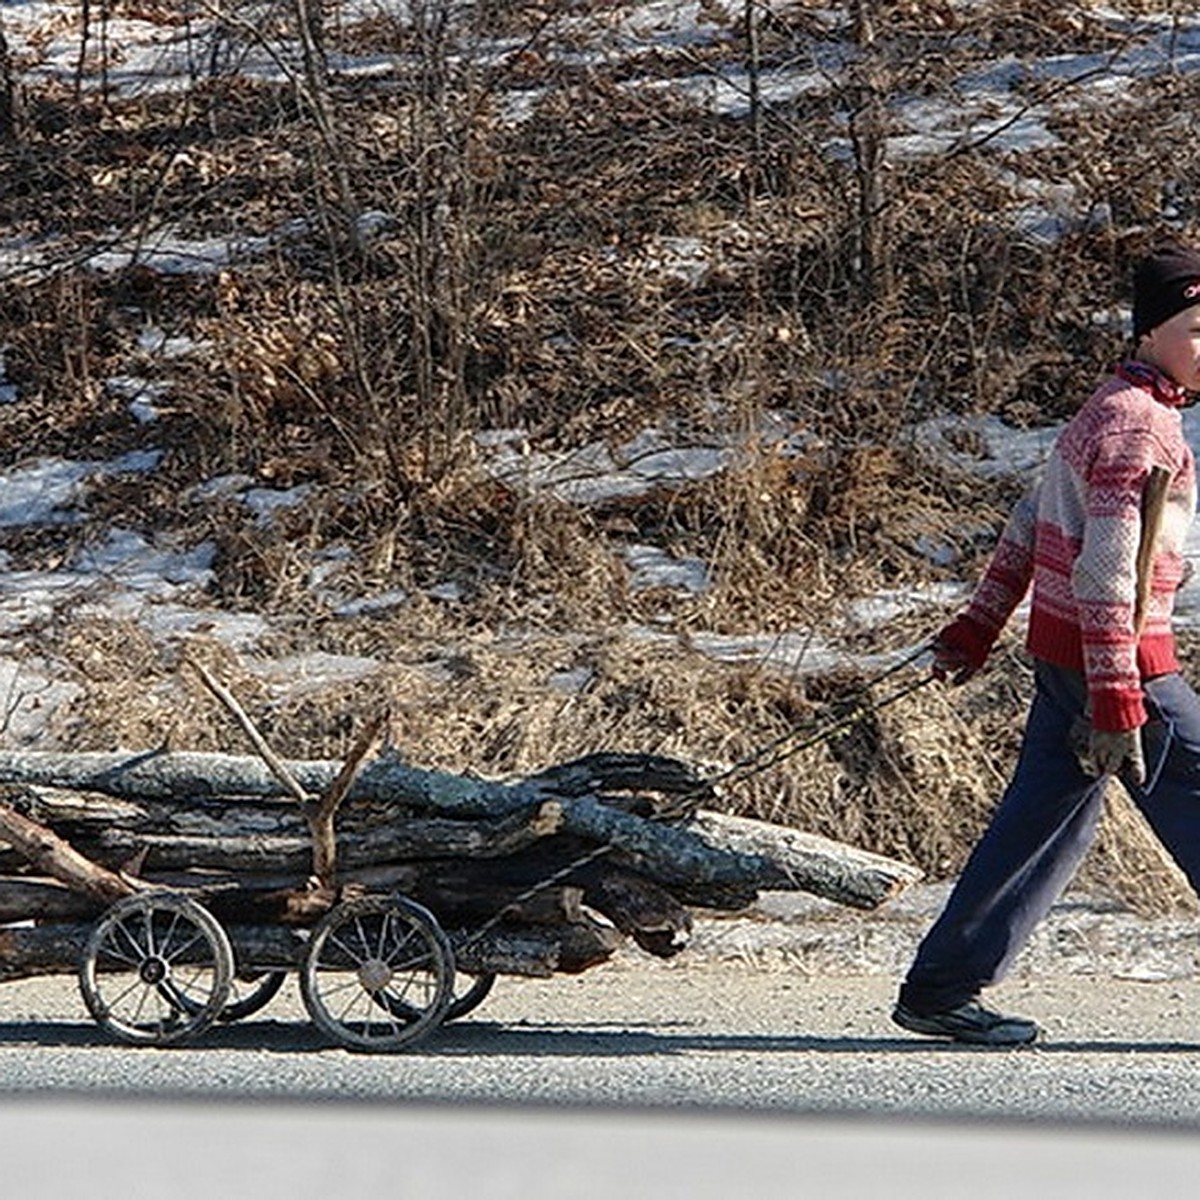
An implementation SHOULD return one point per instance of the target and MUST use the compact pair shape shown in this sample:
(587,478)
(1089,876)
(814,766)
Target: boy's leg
(1041,829)
(1171,798)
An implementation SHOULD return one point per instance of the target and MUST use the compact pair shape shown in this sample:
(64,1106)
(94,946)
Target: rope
(801,738)
(820,729)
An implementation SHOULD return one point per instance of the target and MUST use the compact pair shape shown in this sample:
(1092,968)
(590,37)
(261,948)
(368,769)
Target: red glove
(960,650)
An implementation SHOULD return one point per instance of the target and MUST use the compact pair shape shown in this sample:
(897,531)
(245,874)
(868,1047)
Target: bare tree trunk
(755,69)
(441,266)
(868,135)
(8,94)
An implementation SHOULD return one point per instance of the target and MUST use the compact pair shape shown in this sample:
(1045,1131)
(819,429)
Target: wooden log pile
(542,874)
(547,873)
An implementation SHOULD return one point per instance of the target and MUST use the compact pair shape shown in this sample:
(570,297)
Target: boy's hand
(1110,751)
(959,651)
(950,663)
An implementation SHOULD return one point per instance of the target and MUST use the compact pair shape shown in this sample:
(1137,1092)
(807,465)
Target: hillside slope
(561,379)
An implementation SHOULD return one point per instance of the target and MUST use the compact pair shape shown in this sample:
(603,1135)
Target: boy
(1104,563)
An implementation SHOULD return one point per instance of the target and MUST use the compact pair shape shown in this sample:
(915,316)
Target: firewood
(48,852)
(689,859)
(801,861)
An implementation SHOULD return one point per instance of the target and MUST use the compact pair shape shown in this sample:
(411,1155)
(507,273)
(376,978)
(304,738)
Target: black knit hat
(1165,283)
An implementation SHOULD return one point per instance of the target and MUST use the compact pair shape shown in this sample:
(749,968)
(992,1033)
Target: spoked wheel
(156,969)
(378,973)
(249,992)
(467,994)
(468,998)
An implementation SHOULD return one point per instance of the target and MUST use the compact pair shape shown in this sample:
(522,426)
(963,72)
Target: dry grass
(520,281)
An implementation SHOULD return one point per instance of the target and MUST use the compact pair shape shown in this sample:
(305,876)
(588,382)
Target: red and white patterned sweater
(1075,536)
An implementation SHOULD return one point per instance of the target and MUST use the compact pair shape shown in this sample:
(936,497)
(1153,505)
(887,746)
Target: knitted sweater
(1075,536)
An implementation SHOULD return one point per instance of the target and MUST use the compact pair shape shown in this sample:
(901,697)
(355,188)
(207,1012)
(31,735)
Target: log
(639,908)
(84,817)
(166,774)
(470,895)
(291,852)
(50,853)
(183,775)
(537,952)
(807,862)
(43,899)
(696,861)
(611,771)
(44,950)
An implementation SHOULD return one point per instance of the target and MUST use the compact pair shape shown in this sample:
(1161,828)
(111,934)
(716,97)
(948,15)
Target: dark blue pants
(1042,827)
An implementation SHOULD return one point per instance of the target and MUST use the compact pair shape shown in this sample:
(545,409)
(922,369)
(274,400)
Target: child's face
(1174,348)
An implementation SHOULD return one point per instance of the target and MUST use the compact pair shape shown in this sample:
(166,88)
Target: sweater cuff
(1115,711)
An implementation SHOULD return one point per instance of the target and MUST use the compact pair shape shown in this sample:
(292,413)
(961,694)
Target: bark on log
(388,831)
(45,950)
(537,951)
(180,775)
(700,863)
(412,839)
(671,855)
(43,899)
(453,909)
(611,771)
(641,909)
(806,862)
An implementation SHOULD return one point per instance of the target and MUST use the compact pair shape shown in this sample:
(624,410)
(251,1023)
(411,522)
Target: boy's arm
(963,646)
(1110,574)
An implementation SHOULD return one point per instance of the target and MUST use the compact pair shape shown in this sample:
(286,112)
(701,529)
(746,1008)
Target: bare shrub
(561,221)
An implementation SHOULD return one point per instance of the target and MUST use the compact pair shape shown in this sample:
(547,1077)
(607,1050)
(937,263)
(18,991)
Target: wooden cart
(376,973)
(173,931)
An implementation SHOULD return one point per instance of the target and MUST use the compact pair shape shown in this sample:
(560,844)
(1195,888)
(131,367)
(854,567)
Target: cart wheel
(249,992)
(377,973)
(156,969)
(470,997)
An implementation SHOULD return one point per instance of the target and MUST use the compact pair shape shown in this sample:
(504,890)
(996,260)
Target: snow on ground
(987,107)
(163,587)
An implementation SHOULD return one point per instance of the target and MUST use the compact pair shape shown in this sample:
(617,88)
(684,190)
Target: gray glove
(1109,752)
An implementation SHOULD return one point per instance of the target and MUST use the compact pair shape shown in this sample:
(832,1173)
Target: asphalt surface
(716,1037)
(763,1055)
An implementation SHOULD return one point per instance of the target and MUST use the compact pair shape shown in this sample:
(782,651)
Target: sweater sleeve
(1104,580)
(1010,570)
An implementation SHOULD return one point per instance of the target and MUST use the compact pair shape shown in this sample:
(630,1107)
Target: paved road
(638,1078)
(642,1034)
